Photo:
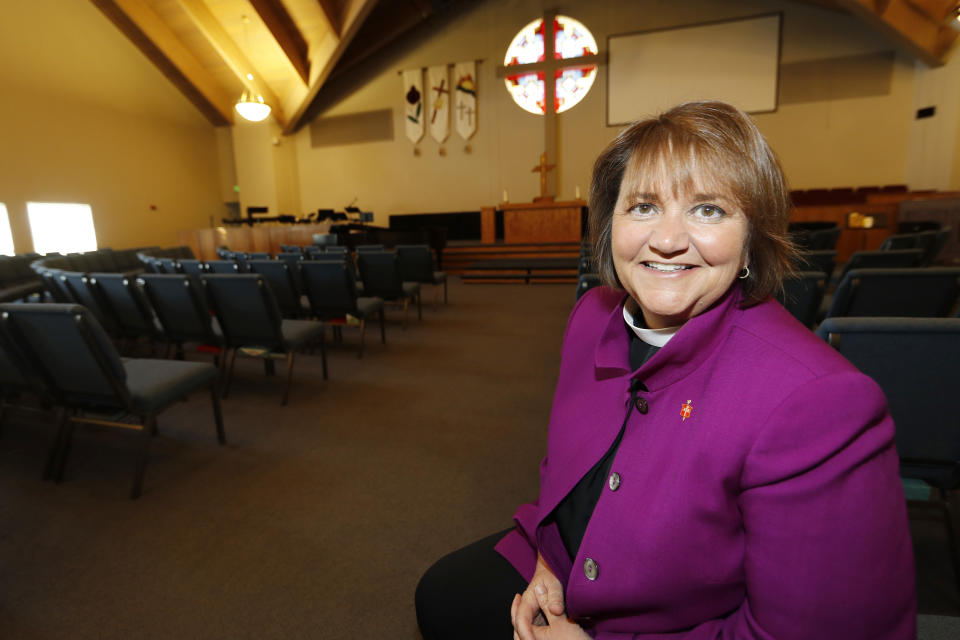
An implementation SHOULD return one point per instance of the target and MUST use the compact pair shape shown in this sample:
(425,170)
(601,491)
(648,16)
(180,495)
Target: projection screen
(735,61)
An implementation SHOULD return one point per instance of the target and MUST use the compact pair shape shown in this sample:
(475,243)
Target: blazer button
(590,569)
(614,482)
(641,405)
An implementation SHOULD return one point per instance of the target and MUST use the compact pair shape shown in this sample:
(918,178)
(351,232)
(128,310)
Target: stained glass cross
(551,65)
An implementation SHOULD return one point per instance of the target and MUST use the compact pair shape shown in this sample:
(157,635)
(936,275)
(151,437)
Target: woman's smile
(676,252)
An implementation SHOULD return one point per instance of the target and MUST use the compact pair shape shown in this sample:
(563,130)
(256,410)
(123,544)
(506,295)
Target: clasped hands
(538,613)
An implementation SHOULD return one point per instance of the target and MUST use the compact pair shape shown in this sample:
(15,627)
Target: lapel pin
(686,410)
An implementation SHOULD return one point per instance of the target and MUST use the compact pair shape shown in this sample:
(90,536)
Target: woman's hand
(543,593)
(558,627)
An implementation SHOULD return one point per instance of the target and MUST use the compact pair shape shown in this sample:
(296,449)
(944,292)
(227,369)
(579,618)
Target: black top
(573,513)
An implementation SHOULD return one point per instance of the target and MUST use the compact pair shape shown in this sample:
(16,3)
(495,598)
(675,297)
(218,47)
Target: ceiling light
(251,106)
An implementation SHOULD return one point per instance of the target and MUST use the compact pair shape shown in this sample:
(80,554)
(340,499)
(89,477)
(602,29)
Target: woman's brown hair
(701,140)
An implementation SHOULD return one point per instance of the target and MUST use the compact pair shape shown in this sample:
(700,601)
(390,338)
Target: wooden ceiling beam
(331,9)
(159,43)
(937,10)
(231,54)
(917,26)
(354,13)
(286,33)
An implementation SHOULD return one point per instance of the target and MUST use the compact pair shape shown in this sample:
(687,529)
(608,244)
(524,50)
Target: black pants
(466,595)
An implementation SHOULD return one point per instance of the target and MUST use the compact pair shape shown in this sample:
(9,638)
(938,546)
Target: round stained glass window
(571,84)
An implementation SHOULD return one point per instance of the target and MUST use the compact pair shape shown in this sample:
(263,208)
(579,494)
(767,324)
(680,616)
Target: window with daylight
(62,227)
(6,237)
(571,40)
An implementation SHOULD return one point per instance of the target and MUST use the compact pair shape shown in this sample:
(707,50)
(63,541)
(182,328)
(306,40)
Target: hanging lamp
(251,106)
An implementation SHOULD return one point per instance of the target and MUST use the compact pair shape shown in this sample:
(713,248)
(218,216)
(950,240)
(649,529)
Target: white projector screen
(735,61)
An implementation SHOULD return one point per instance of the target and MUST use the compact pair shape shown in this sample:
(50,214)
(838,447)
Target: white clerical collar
(653,337)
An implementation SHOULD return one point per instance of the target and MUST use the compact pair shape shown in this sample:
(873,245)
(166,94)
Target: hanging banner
(413,103)
(465,98)
(438,101)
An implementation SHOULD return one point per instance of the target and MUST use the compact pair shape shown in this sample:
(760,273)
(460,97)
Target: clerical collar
(634,319)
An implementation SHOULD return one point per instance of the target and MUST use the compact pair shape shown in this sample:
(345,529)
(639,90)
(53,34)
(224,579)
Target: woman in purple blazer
(713,470)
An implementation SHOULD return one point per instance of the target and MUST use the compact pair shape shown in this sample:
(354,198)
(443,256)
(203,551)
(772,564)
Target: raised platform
(497,262)
(502,262)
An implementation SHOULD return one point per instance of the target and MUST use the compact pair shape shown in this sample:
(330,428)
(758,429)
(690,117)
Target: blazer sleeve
(828,552)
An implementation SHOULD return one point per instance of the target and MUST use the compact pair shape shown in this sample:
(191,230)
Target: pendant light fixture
(251,106)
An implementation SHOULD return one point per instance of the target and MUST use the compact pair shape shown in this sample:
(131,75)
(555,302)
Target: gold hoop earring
(744,274)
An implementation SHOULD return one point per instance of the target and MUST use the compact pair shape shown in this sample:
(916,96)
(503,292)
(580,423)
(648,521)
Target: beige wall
(85,117)
(830,143)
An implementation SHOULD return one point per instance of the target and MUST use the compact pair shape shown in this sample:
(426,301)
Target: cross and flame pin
(686,410)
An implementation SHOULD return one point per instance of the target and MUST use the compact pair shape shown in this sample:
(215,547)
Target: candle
(505,198)
(578,192)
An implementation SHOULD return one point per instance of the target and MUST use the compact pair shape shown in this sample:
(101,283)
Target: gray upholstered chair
(381,279)
(333,297)
(587,281)
(415,262)
(893,259)
(283,285)
(251,320)
(182,309)
(128,306)
(802,295)
(914,360)
(913,293)
(70,351)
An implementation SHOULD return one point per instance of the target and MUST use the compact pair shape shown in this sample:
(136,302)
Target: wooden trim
(355,12)
(908,24)
(286,33)
(331,9)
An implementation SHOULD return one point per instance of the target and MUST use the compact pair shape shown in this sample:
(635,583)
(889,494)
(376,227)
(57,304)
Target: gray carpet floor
(318,518)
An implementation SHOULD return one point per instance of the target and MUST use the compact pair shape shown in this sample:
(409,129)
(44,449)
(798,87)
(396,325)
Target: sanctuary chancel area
(285,282)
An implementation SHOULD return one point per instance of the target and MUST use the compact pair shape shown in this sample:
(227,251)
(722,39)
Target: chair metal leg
(406,303)
(323,354)
(149,424)
(53,457)
(363,328)
(286,389)
(217,414)
(951,534)
(222,369)
(383,326)
(226,383)
(419,306)
(3,410)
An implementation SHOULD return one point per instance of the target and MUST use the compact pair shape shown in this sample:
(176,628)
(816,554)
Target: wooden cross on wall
(550,66)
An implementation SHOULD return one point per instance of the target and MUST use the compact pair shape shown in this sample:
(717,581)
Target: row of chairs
(914,360)
(414,263)
(920,293)
(927,245)
(331,291)
(176,309)
(60,354)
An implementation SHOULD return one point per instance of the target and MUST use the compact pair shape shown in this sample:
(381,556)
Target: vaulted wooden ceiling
(286,50)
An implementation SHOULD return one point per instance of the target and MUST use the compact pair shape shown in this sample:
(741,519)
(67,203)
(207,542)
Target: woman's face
(676,251)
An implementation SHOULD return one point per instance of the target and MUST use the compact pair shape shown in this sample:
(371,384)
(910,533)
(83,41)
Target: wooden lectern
(533,222)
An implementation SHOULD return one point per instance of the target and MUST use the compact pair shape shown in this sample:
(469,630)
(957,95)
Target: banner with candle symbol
(413,103)
(438,102)
(465,98)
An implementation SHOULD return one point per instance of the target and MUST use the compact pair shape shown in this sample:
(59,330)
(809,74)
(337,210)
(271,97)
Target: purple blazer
(774,509)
